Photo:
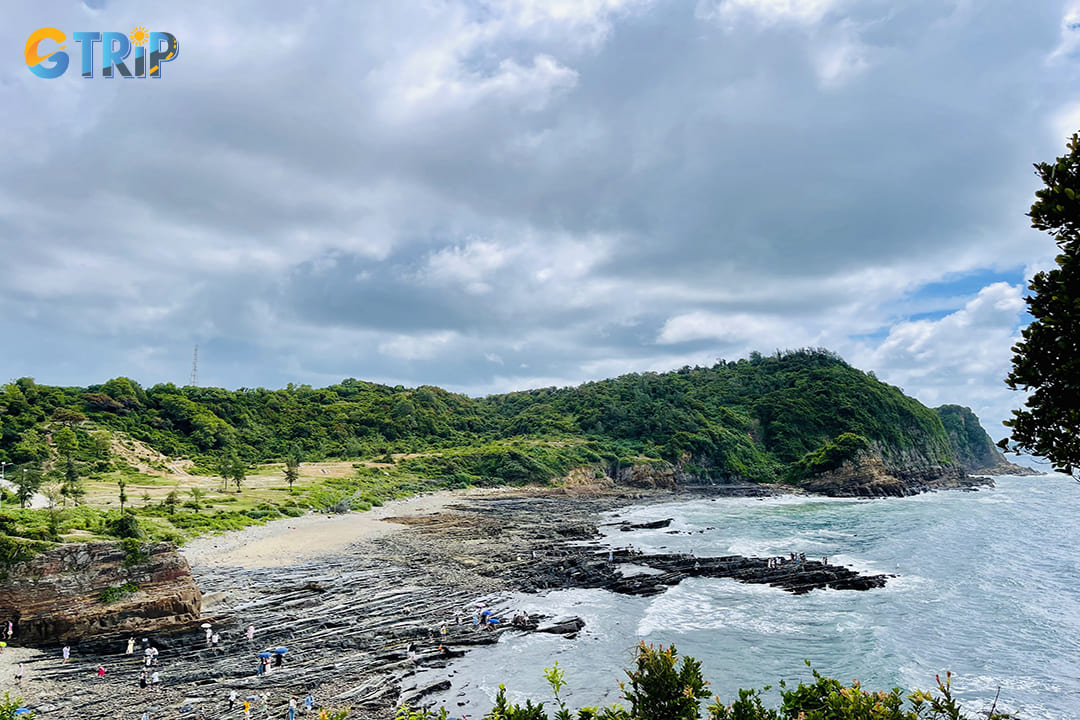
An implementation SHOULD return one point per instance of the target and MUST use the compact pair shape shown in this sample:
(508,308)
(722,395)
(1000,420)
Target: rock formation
(867,476)
(76,591)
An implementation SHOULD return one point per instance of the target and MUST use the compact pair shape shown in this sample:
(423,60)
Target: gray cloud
(494,195)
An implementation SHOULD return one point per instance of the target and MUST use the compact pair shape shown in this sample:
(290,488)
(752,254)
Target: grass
(167,508)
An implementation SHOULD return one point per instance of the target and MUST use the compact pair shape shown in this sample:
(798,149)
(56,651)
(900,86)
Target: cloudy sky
(500,195)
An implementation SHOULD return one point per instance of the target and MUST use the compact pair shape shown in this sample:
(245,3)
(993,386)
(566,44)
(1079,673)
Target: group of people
(150,678)
(797,558)
(264,704)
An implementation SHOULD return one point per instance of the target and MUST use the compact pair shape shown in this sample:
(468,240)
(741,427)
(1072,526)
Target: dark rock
(563,627)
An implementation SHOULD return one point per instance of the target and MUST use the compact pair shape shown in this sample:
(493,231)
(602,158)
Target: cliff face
(66,593)
(972,445)
(868,476)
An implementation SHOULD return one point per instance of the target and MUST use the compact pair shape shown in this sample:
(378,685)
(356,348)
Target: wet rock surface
(348,621)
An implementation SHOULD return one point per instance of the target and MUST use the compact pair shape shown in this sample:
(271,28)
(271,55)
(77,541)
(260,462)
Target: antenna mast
(194,381)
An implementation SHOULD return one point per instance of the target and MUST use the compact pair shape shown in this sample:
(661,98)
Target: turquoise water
(988,586)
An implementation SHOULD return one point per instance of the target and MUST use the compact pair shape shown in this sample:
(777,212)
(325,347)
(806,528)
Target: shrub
(118,592)
(124,526)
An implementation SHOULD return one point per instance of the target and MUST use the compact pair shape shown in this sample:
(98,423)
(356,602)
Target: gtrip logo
(47,61)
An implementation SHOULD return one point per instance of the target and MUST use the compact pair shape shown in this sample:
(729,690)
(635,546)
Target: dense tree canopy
(763,418)
(1047,359)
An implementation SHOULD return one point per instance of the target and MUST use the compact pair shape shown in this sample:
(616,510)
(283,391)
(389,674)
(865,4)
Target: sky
(490,196)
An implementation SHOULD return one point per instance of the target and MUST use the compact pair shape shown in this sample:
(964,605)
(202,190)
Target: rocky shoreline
(348,618)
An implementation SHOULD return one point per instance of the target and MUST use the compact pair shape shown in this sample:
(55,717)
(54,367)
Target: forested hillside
(765,418)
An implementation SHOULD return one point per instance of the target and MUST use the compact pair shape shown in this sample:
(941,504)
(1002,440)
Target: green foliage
(117,592)
(830,456)
(658,690)
(14,550)
(754,419)
(661,689)
(9,705)
(974,448)
(292,466)
(71,487)
(1046,362)
(27,481)
(133,552)
(124,526)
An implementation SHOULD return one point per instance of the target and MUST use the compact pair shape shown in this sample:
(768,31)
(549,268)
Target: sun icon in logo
(139,36)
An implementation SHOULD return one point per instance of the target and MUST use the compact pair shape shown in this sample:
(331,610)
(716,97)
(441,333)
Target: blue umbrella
(264,654)
(22,711)
(281,650)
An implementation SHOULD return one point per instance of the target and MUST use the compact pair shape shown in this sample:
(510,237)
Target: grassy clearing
(177,506)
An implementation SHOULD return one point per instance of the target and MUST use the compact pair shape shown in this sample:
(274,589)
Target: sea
(986,585)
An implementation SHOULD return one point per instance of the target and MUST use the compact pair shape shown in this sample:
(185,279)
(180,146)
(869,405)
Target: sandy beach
(295,541)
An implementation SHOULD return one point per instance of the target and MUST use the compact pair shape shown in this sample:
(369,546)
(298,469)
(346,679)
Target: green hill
(783,417)
(974,448)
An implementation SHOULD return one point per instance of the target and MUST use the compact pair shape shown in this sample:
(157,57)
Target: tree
(292,466)
(237,471)
(66,442)
(123,495)
(71,487)
(27,482)
(224,468)
(1047,360)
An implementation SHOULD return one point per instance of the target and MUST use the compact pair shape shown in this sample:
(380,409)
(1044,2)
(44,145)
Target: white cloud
(1066,122)
(766,11)
(961,358)
(421,346)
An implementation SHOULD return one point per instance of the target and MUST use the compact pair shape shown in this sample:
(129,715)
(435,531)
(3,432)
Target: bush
(119,592)
(659,688)
(124,526)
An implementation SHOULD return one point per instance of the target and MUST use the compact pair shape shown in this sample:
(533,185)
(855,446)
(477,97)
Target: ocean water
(987,586)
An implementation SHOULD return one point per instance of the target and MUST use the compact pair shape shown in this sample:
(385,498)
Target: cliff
(973,447)
(868,476)
(81,590)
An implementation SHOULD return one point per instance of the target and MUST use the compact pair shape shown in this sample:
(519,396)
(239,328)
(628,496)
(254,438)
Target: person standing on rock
(209,635)
(264,704)
(155,681)
(232,699)
(100,671)
(215,638)
(247,708)
(309,702)
(66,652)
(19,675)
(251,633)
(292,708)
(130,646)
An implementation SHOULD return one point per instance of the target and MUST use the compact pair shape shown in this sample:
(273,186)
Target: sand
(294,541)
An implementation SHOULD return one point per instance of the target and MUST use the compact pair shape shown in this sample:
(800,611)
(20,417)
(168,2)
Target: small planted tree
(27,482)
(71,488)
(123,495)
(238,472)
(292,466)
